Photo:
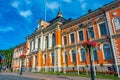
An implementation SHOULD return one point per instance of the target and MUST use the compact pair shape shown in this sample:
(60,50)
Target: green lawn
(111,77)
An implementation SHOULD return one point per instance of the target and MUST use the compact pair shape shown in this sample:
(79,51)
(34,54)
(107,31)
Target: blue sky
(18,18)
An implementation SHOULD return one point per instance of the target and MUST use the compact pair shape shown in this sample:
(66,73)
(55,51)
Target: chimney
(89,10)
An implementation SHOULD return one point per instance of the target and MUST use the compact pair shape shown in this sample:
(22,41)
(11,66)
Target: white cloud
(15,4)
(81,0)
(53,5)
(19,7)
(6,29)
(68,1)
(26,13)
(83,6)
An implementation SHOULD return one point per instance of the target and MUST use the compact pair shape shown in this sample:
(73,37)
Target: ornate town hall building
(56,45)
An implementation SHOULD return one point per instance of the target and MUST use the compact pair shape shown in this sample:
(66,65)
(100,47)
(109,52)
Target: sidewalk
(49,76)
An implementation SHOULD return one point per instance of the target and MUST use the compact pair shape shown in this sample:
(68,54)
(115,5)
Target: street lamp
(22,57)
(88,45)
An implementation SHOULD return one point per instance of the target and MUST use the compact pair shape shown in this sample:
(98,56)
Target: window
(66,58)
(117,23)
(94,55)
(107,52)
(73,56)
(103,29)
(52,58)
(45,58)
(72,38)
(65,40)
(91,32)
(83,55)
(81,35)
(53,40)
(30,46)
(47,42)
(38,43)
(33,44)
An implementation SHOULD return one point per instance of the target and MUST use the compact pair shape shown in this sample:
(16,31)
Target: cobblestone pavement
(49,76)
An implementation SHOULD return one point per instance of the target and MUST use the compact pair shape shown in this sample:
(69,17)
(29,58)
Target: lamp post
(22,57)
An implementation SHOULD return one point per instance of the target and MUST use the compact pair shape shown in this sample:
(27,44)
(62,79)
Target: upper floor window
(72,38)
(103,28)
(94,55)
(107,52)
(47,42)
(117,23)
(53,40)
(73,56)
(81,35)
(33,44)
(38,43)
(91,32)
(83,55)
(30,46)
(65,40)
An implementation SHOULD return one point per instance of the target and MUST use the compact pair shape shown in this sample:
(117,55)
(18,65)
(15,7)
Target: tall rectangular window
(65,40)
(72,38)
(38,43)
(52,58)
(45,58)
(94,55)
(66,58)
(103,29)
(30,46)
(47,42)
(81,35)
(53,40)
(33,44)
(91,32)
(83,55)
(73,56)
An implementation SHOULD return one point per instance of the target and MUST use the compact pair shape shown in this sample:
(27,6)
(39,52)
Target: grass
(102,76)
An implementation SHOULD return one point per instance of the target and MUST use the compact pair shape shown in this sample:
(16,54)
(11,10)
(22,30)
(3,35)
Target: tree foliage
(8,54)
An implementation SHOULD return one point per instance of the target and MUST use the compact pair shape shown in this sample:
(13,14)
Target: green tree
(8,54)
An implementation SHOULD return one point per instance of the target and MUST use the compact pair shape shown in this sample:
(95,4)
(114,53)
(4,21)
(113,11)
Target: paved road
(35,76)
(13,77)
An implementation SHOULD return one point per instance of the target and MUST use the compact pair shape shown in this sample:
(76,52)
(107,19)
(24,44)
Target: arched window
(107,52)
(66,58)
(116,22)
(83,55)
(53,40)
(94,55)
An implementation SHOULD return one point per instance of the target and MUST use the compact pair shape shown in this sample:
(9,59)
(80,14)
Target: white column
(113,46)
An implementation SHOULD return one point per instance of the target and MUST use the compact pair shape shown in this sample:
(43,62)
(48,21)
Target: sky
(19,18)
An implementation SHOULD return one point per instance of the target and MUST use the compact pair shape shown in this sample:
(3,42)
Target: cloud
(6,29)
(26,13)
(53,5)
(20,8)
(15,4)
(83,6)
(68,1)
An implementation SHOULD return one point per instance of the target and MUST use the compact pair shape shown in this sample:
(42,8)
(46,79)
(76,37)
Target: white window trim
(93,30)
(81,54)
(114,24)
(78,34)
(70,37)
(99,28)
(102,45)
(63,39)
